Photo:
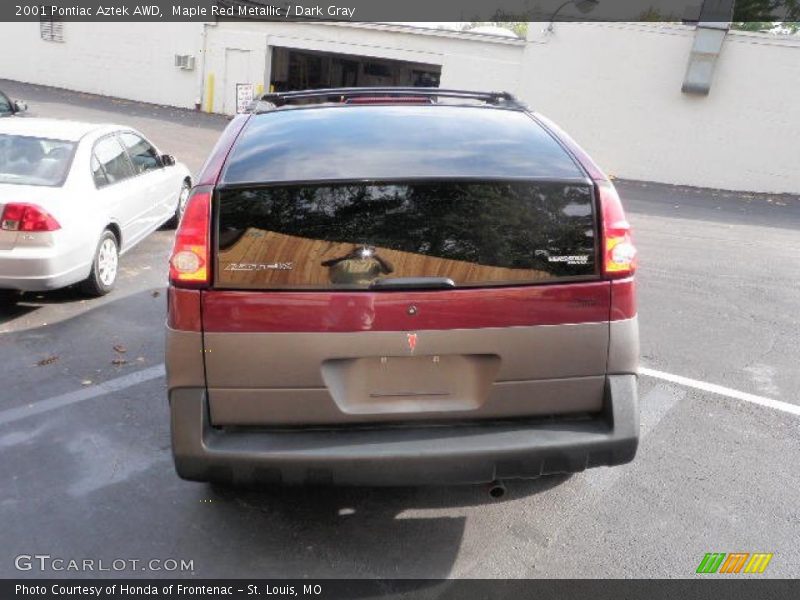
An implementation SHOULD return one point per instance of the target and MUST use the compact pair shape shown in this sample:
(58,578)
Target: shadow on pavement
(354,532)
(403,498)
(717,206)
(79,342)
(17,304)
(96,479)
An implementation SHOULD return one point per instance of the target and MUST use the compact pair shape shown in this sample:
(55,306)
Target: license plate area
(408,384)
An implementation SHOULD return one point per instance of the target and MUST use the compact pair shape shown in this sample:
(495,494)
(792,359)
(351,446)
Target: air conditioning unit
(184,61)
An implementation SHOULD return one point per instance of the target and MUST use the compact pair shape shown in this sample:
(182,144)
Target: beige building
(615,86)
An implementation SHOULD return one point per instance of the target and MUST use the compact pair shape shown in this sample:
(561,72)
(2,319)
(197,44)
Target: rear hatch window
(353,196)
(380,143)
(353,235)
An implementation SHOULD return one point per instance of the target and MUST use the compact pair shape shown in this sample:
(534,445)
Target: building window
(51,30)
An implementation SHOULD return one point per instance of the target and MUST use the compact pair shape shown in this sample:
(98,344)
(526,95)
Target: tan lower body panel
(623,346)
(263,379)
(184,359)
(247,407)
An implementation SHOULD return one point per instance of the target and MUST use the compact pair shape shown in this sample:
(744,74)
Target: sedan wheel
(183,198)
(103,276)
(107,261)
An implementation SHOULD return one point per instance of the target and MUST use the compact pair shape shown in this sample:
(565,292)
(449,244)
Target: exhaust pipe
(497,490)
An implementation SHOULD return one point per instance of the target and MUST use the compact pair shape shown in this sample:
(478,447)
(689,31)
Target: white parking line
(101,389)
(713,388)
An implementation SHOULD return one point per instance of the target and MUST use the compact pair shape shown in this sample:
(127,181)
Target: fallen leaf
(47,361)
(120,348)
(119,361)
(155,294)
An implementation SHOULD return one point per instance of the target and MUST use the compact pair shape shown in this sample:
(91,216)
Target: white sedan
(74,197)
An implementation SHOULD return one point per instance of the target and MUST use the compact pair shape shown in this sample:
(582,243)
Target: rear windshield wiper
(413,283)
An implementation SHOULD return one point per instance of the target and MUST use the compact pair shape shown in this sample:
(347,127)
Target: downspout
(204,92)
(713,24)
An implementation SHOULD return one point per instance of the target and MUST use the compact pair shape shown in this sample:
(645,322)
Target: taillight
(189,263)
(619,253)
(21,216)
(389,100)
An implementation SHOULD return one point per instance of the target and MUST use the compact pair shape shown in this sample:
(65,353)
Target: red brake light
(21,216)
(619,253)
(389,100)
(189,263)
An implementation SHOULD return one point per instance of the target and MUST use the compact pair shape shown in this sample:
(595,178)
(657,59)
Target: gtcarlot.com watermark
(57,564)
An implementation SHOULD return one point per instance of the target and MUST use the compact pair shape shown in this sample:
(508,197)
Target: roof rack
(271,101)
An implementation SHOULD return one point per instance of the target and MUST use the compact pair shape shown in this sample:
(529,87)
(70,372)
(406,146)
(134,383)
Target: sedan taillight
(21,216)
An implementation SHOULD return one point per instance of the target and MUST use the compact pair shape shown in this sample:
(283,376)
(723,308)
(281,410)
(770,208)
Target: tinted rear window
(350,235)
(395,142)
(34,161)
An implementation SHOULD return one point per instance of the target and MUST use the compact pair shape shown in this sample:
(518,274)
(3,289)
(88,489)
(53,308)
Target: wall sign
(244,96)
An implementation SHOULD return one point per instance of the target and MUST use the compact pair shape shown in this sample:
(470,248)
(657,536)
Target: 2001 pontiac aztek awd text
(400,286)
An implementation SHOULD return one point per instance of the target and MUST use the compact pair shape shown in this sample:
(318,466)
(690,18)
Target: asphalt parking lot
(84,433)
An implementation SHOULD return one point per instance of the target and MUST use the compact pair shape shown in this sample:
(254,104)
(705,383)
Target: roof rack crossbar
(281,98)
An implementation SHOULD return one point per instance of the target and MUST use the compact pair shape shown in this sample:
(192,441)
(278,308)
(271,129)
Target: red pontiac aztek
(400,286)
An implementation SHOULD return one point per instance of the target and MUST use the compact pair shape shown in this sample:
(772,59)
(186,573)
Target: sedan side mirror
(20,106)
(167,160)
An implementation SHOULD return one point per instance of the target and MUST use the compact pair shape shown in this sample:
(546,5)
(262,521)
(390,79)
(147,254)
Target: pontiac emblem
(412,341)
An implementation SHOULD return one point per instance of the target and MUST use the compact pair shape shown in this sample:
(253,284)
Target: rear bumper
(41,269)
(404,455)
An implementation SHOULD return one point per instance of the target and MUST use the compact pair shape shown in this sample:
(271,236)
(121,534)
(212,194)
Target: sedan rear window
(34,161)
(354,235)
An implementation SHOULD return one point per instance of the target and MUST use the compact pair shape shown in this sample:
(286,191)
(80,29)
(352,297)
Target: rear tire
(105,265)
(183,197)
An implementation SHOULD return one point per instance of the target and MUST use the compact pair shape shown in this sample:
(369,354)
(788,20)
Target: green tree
(767,15)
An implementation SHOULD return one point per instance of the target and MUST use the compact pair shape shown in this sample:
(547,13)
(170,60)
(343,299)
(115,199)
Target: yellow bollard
(210,93)
(259,89)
